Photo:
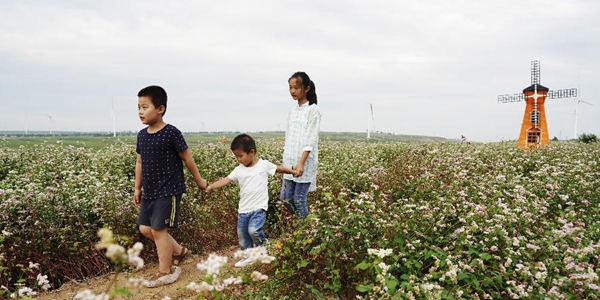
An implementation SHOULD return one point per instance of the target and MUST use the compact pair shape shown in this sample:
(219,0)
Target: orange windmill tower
(534,129)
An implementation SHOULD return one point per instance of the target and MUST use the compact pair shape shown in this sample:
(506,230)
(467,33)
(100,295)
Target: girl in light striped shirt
(301,150)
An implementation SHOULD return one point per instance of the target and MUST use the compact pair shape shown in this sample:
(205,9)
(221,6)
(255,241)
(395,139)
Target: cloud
(428,67)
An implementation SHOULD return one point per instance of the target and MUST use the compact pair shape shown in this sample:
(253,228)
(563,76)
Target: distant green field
(98,142)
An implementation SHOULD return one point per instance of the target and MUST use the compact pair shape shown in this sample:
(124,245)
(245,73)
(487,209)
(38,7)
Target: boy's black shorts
(160,213)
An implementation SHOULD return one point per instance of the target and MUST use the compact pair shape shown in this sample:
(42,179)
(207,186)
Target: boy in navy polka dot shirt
(159,182)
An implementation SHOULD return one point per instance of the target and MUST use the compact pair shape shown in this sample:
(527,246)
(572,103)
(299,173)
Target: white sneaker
(161,279)
(244,262)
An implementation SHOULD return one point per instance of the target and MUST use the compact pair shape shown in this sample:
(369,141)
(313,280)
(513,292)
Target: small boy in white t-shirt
(253,177)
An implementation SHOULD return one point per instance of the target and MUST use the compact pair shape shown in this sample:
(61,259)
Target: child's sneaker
(160,279)
(244,262)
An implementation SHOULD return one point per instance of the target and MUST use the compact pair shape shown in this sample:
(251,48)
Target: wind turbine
(369,120)
(51,123)
(576,112)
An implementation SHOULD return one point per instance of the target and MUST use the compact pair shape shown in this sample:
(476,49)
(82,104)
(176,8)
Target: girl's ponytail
(311,95)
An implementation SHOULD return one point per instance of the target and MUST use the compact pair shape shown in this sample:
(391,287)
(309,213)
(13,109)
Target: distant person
(159,183)
(252,175)
(301,150)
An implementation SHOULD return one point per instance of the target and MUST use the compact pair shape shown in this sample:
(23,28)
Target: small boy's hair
(157,94)
(243,142)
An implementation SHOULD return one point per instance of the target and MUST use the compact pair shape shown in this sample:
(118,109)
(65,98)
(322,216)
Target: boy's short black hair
(243,142)
(157,94)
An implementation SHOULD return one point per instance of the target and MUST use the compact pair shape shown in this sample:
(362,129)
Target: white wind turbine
(370,120)
(576,113)
(52,123)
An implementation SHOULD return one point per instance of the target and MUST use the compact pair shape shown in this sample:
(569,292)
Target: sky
(427,67)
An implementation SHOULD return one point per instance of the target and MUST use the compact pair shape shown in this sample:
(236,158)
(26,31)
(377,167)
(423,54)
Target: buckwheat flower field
(388,220)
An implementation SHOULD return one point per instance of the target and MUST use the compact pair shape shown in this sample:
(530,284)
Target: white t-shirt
(254,185)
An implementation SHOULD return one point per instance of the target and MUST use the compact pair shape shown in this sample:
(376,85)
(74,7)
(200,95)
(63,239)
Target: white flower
(115,252)
(515,241)
(26,291)
(256,253)
(212,265)
(34,265)
(43,282)
(384,268)
(136,261)
(133,255)
(256,276)
(232,280)
(202,287)
(380,252)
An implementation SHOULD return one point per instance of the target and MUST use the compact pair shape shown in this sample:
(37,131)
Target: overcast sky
(428,67)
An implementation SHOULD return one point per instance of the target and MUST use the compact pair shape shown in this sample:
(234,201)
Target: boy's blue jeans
(293,196)
(250,228)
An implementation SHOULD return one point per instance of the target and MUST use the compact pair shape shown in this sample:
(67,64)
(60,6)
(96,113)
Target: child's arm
(191,166)
(299,168)
(311,138)
(285,170)
(138,181)
(218,184)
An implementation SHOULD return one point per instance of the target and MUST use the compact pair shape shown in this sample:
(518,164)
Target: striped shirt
(302,134)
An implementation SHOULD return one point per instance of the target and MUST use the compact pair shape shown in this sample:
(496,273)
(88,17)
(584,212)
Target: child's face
(147,112)
(244,158)
(297,90)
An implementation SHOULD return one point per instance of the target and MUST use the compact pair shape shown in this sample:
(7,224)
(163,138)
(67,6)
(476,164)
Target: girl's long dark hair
(306,83)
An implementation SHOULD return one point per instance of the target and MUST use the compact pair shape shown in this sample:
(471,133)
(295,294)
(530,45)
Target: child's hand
(137,197)
(202,184)
(208,189)
(299,168)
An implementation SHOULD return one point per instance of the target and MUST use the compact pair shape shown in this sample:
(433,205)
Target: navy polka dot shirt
(162,168)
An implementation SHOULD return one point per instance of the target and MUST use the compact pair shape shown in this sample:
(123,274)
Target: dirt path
(176,290)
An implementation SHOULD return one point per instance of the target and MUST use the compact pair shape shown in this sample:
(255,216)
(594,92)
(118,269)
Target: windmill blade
(508,98)
(585,102)
(372,117)
(535,72)
(565,93)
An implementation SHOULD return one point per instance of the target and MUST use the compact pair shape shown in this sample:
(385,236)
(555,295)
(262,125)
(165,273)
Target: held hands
(298,170)
(202,184)
(208,189)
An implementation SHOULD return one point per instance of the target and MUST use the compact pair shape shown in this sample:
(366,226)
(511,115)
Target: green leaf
(391,284)
(302,263)
(487,282)
(475,283)
(364,288)
(363,265)
(400,241)
(486,256)
(428,254)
